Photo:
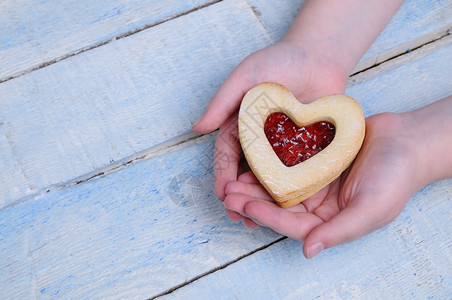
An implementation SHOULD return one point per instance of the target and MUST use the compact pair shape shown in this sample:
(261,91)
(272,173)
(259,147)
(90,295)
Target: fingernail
(315,249)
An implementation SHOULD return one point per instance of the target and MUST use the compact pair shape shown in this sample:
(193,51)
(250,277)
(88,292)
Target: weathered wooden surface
(409,259)
(110,103)
(35,33)
(103,196)
(106,105)
(124,234)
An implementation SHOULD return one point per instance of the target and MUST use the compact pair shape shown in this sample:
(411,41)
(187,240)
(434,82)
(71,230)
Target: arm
(329,36)
(314,59)
(341,30)
(432,128)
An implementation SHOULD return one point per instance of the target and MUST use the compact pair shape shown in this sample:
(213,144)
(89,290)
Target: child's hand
(314,59)
(401,153)
(306,73)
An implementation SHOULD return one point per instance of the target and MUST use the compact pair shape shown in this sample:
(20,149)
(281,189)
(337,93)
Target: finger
(225,101)
(250,223)
(237,202)
(235,216)
(248,177)
(349,224)
(313,202)
(294,225)
(250,189)
(227,156)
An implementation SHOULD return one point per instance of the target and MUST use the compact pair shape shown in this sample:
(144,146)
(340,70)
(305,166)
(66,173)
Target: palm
(308,76)
(365,197)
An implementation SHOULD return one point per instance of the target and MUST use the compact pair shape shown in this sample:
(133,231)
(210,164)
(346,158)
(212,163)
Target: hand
(366,197)
(306,73)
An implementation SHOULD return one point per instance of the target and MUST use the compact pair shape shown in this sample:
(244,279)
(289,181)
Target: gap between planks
(403,49)
(361,67)
(169,146)
(416,51)
(381,67)
(190,138)
(169,291)
(414,54)
(109,40)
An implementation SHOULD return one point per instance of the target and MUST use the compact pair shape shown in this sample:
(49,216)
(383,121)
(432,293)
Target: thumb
(226,100)
(349,224)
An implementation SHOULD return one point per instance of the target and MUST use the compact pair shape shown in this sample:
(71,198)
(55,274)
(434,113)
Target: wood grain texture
(37,32)
(408,259)
(134,233)
(407,82)
(417,22)
(107,104)
(155,225)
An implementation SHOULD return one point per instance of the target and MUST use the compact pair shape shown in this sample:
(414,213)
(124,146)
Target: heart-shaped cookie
(290,183)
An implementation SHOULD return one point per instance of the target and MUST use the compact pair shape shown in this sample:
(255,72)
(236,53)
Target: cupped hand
(303,70)
(367,196)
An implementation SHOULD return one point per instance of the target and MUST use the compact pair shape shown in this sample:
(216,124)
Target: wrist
(325,75)
(341,30)
(430,129)
(321,50)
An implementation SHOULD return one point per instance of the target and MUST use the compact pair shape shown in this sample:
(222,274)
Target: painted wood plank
(424,21)
(407,82)
(122,235)
(29,40)
(127,234)
(37,32)
(417,22)
(93,110)
(408,259)
(110,103)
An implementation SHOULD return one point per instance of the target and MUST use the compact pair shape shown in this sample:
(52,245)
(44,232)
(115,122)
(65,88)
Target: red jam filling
(294,144)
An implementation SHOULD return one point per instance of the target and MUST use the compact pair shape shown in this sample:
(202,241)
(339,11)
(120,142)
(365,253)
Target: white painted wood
(124,235)
(417,22)
(107,104)
(423,21)
(407,82)
(408,259)
(37,32)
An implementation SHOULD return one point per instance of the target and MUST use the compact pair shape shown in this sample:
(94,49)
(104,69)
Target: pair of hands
(367,196)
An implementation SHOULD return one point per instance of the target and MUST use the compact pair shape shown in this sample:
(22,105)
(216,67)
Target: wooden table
(106,193)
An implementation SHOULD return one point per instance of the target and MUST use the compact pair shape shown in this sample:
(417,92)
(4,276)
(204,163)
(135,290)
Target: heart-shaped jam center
(294,144)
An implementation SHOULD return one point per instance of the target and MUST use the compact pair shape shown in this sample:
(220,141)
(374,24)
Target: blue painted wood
(423,20)
(133,233)
(408,259)
(36,32)
(107,105)
(406,83)
(417,22)
(110,103)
